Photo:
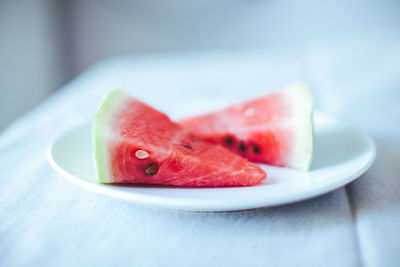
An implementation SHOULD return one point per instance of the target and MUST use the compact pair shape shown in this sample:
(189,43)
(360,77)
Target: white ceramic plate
(341,154)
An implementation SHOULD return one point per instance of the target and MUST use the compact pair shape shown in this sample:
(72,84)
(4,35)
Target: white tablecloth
(47,221)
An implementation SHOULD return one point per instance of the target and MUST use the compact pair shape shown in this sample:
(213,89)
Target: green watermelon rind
(302,148)
(101,131)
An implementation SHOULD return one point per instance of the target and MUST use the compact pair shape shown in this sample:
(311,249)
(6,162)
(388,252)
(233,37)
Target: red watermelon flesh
(275,129)
(134,143)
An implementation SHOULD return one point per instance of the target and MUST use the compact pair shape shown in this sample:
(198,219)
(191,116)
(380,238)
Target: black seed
(187,146)
(254,148)
(229,140)
(242,147)
(151,169)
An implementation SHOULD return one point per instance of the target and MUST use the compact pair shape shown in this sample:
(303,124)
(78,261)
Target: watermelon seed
(229,140)
(249,112)
(141,154)
(151,169)
(255,149)
(187,146)
(242,147)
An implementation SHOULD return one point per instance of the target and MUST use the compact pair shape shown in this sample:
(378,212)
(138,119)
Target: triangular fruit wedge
(134,143)
(275,129)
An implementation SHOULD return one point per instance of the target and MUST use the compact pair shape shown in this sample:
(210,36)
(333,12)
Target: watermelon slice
(275,129)
(133,143)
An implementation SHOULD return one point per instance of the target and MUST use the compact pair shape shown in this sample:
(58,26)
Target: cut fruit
(134,143)
(275,129)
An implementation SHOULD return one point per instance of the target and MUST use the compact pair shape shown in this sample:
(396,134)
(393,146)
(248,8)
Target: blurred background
(44,44)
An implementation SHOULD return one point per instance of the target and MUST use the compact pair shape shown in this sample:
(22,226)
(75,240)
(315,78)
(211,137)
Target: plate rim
(177,204)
